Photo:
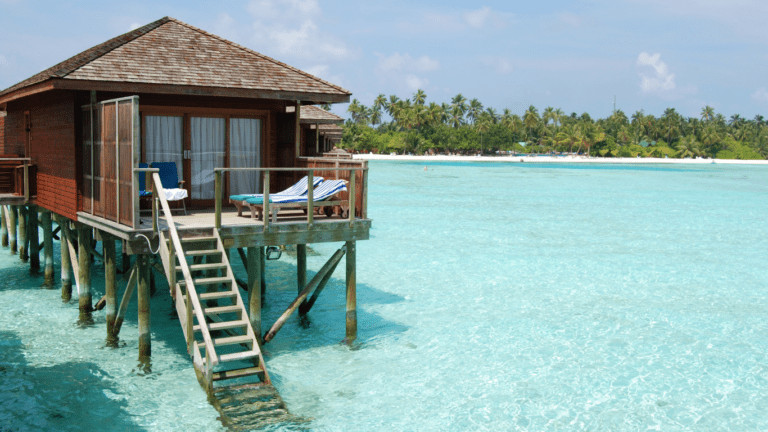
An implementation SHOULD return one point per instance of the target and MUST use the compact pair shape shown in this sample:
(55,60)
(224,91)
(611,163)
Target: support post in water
(34,240)
(110,284)
(301,271)
(84,235)
(145,341)
(12,229)
(3,227)
(351,292)
(48,249)
(23,239)
(254,288)
(66,262)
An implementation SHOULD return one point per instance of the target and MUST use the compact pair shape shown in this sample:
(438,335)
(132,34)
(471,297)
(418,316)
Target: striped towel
(300,188)
(322,192)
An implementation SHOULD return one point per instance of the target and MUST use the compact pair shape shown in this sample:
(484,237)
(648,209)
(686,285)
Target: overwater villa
(144,139)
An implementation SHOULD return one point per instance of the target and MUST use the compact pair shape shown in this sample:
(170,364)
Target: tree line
(466,127)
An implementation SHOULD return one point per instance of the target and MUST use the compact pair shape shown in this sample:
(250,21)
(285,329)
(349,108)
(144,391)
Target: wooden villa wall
(52,147)
(2,134)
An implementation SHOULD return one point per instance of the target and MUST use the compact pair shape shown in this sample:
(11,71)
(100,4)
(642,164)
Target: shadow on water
(66,397)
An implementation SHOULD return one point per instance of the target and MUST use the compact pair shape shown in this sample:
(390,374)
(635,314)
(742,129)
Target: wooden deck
(240,231)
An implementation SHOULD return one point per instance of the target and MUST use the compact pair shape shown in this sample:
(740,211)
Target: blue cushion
(142,179)
(169,177)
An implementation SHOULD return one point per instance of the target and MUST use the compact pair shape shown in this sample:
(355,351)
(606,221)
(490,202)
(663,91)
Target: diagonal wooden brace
(326,270)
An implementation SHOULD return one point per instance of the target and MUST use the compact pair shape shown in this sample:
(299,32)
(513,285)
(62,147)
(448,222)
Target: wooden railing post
(352,197)
(310,198)
(266,201)
(217,186)
(365,192)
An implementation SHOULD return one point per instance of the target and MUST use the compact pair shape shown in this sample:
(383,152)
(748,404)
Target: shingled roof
(313,114)
(169,52)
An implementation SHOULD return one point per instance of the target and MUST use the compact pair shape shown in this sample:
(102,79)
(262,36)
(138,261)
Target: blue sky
(649,54)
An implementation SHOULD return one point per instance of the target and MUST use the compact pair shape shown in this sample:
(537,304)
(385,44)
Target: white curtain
(208,152)
(244,152)
(164,140)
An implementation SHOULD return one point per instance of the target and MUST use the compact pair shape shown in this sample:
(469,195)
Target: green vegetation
(466,127)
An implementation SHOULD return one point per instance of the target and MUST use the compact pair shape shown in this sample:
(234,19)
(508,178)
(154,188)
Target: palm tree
(457,116)
(475,108)
(688,146)
(483,124)
(380,102)
(492,114)
(419,97)
(531,118)
(707,113)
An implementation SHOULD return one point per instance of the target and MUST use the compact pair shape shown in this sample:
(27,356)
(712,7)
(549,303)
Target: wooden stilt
(351,292)
(34,239)
(47,249)
(23,239)
(129,288)
(301,271)
(303,295)
(12,229)
(110,284)
(307,305)
(84,234)
(66,263)
(254,288)
(4,227)
(125,262)
(263,265)
(145,341)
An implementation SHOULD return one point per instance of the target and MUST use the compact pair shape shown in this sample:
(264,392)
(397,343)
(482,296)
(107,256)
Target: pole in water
(34,240)
(254,288)
(351,293)
(12,229)
(47,249)
(23,238)
(145,341)
(66,261)
(84,276)
(301,271)
(3,227)
(110,284)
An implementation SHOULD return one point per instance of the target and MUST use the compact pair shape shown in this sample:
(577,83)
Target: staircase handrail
(191,292)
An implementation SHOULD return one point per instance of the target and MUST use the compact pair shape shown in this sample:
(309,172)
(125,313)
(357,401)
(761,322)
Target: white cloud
(661,80)
(414,83)
(761,95)
(289,28)
(502,66)
(404,62)
(477,18)
(569,19)
(134,26)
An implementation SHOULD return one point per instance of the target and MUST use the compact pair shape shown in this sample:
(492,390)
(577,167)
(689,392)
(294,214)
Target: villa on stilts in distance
(91,142)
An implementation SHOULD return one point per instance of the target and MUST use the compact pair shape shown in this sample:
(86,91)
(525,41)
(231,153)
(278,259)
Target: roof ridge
(265,57)
(66,67)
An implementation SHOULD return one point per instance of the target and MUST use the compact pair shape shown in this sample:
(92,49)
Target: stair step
(221,309)
(232,340)
(209,266)
(237,373)
(212,281)
(197,239)
(243,355)
(202,252)
(216,295)
(223,325)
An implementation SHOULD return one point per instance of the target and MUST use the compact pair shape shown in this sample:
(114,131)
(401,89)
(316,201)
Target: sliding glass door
(244,152)
(208,139)
(164,140)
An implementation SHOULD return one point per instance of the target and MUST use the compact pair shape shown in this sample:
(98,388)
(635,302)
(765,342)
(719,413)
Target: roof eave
(130,87)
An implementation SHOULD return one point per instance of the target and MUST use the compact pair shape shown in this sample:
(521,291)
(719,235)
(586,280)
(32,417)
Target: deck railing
(354,208)
(10,181)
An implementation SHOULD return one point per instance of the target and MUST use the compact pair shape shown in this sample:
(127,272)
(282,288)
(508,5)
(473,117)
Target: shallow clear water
(491,297)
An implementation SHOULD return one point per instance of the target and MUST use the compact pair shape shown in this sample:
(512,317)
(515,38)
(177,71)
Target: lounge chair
(143,192)
(169,178)
(299,189)
(321,195)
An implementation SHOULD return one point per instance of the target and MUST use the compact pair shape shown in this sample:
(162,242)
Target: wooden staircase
(215,321)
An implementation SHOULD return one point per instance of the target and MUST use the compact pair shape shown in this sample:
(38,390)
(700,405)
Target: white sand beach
(557,159)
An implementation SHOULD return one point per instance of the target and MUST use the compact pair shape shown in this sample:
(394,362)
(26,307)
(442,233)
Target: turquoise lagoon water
(520,297)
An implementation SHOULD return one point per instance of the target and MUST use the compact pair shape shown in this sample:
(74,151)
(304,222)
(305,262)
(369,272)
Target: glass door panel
(208,137)
(244,152)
